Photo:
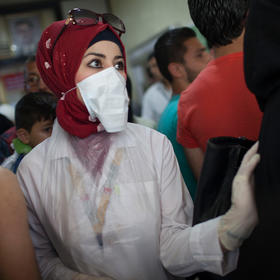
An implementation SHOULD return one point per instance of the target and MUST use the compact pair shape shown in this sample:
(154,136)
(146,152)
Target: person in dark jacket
(262,69)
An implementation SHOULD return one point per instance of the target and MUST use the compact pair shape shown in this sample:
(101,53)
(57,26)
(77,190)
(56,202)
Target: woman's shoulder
(146,136)
(37,154)
(143,130)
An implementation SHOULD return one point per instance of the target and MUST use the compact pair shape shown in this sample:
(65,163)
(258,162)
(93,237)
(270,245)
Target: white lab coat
(147,222)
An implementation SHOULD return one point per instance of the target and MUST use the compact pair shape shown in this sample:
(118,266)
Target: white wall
(145,18)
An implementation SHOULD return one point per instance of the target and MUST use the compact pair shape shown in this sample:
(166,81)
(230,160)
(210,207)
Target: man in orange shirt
(218,102)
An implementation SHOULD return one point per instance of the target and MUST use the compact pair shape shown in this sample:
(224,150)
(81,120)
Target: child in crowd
(34,117)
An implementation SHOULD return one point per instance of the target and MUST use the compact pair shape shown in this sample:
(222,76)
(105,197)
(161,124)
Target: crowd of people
(88,193)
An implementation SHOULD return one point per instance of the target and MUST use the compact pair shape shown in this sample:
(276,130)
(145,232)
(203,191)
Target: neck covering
(58,68)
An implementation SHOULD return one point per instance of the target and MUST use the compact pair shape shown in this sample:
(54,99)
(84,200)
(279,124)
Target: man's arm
(17,257)
(195,159)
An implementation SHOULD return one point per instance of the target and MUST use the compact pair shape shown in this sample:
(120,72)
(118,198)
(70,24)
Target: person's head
(34,117)
(32,79)
(152,68)
(104,51)
(69,54)
(220,21)
(180,55)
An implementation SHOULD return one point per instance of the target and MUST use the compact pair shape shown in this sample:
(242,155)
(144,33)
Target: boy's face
(39,132)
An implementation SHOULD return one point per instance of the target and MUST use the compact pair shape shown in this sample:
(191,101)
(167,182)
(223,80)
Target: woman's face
(98,57)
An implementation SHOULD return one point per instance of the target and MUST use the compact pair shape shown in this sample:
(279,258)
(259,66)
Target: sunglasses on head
(86,18)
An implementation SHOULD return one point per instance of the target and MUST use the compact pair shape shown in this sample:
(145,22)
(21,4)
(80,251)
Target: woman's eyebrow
(118,57)
(96,54)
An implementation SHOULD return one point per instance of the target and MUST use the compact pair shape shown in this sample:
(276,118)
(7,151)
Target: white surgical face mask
(105,97)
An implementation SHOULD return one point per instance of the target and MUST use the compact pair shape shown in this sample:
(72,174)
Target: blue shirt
(168,126)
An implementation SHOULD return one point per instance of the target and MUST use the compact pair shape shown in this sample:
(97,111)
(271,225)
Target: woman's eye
(95,63)
(119,65)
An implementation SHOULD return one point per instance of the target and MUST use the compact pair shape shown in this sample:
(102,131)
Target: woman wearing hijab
(106,198)
(17,258)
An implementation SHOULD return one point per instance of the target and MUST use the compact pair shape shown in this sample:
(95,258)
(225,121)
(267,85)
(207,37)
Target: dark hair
(30,58)
(34,107)
(129,93)
(5,123)
(220,21)
(150,56)
(170,48)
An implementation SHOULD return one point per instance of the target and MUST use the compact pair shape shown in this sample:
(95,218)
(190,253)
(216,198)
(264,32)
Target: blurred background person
(32,79)
(218,102)
(157,95)
(131,116)
(180,57)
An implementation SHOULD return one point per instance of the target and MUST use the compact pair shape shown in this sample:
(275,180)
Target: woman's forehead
(104,47)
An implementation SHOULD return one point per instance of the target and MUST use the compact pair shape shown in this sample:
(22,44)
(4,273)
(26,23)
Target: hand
(240,220)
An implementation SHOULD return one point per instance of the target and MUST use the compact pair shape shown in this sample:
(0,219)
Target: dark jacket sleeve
(262,49)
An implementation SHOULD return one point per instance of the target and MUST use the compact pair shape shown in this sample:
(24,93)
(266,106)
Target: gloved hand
(240,220)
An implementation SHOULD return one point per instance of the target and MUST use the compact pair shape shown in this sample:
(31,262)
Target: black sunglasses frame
(75,14)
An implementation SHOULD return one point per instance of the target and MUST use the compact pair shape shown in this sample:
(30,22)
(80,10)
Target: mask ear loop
(63,94)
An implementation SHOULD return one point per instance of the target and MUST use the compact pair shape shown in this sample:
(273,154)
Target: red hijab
(59,73)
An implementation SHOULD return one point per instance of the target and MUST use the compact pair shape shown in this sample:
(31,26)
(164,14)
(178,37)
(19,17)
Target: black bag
(222,159)
(213,197)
